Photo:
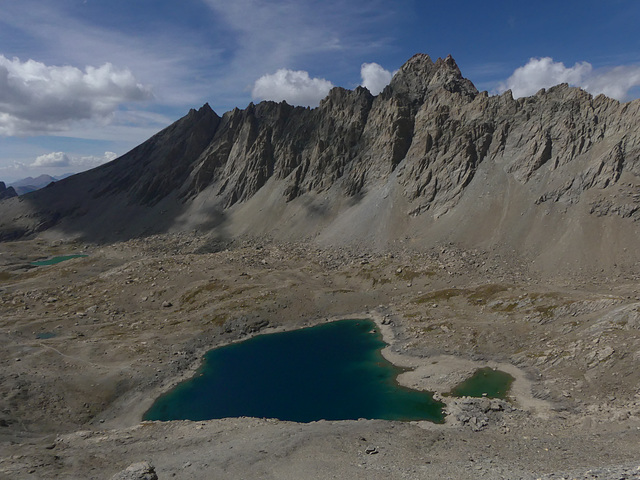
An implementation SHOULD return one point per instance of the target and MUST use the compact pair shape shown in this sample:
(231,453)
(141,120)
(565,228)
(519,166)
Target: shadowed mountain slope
(6,192)
(430,159)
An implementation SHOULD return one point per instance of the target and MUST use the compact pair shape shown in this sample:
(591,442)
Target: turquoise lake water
(485,382)
(45,335)
(54,260)
(333,371)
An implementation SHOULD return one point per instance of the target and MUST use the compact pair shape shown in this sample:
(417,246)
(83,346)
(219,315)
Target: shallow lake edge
(435,374)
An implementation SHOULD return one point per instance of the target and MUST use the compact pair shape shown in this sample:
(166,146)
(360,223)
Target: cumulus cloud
(61,159)
(374,77)
(54,159)
(544,73)
(285,33)
(615,82)
(294,86)
(38,98)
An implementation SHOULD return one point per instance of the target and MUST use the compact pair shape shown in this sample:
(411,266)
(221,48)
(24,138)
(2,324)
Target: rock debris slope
(422,159)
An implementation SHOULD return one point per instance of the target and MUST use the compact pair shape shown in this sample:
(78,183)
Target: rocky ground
(88,344)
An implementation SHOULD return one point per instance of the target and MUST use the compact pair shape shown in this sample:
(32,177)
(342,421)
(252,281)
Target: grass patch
(381,281)
(218,319)
(542,296)
(229,294)
(484,293)
(432,328)
(190,297)
(441,295)
(6,276)
(546,311)
(505,307)
(410,275)
(407,275)
(368,274)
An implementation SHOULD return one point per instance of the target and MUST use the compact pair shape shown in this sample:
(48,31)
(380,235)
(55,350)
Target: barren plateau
(134,318)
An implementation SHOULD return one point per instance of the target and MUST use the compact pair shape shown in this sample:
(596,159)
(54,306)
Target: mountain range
(553,177)
(31,184)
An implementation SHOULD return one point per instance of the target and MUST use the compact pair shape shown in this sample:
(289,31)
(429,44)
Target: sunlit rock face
(372,168)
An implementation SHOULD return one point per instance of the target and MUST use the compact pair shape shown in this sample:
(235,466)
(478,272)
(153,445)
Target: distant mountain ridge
(429,158)
(6,192)
(31,184)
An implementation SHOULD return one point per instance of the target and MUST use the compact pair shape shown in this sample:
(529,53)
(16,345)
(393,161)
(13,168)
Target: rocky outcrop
(137,471)
(352,138)
(6,192)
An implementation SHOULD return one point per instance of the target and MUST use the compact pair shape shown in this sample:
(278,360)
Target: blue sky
(84,81)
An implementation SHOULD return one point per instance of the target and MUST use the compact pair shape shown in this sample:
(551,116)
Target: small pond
(333,371)
(54,260)
(45,335)
(485,382)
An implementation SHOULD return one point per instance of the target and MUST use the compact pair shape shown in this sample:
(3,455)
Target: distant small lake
(54,260)
(45,335)
(333,371)
(485,382)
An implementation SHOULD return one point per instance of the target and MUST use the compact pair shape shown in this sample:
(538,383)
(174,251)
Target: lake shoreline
(437,375)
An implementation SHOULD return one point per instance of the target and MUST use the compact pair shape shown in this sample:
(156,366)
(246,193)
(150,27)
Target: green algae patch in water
(54,260)
(334,371)
(485,382)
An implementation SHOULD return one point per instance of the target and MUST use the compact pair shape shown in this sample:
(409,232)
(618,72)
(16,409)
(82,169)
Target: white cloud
(374,77)
(295,87)
(298,35)
(54,163)
(93,160)
(173,57)
(61,159)
(544,73)
(614,83)
(54,159)
(37,98)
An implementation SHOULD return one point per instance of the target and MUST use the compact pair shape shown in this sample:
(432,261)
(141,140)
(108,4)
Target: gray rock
(137,471)
(371,450)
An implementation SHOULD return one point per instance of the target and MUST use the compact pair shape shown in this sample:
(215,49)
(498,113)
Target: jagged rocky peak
(340,97)
(6,192)
(204,110)
(420,75)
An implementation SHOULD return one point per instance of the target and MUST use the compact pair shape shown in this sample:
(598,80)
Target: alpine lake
(333,371)
(55,260)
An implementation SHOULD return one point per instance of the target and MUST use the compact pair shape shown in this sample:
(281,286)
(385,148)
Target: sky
(84,81)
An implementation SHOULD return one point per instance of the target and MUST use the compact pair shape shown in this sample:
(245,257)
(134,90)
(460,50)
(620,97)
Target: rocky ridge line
(429,131)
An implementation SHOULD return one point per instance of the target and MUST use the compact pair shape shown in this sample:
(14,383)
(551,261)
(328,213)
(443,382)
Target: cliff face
(423,139)
(435,125)
(352,138)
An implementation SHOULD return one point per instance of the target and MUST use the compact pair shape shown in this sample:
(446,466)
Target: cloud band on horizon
(544,72)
